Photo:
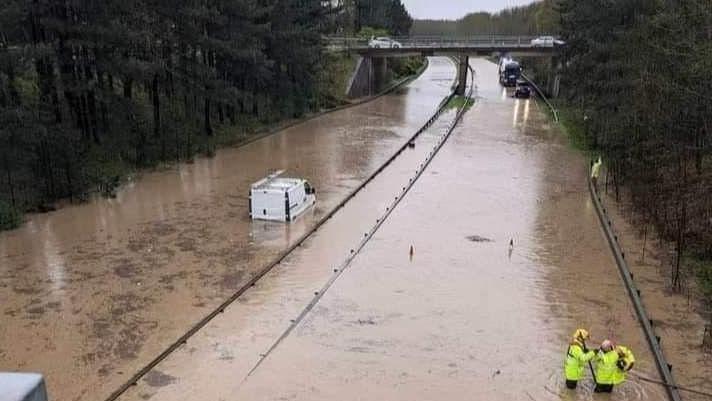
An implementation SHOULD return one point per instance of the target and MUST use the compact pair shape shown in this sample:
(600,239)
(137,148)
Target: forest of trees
(90,90)
(638,71)
(390,16)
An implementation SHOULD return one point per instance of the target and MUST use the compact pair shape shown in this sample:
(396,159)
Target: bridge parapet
(445,45)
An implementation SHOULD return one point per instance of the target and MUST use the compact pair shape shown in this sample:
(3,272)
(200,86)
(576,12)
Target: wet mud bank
(678,318)
(94,291)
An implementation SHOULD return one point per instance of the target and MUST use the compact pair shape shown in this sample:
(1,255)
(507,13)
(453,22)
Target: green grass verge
(458,102)
(574,126)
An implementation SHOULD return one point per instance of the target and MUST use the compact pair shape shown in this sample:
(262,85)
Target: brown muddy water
(463,318)
(91,293)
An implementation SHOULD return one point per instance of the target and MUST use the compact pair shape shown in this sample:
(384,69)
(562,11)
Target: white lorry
(278,198)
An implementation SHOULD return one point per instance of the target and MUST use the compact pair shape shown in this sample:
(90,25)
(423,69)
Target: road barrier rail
(338,271)
(183,339)
(542,95)
(664,368)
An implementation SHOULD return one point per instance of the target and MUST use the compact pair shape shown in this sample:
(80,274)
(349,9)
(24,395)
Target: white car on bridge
(384,43)
(546,41)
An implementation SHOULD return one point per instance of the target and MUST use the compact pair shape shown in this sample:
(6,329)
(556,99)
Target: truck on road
(509,72)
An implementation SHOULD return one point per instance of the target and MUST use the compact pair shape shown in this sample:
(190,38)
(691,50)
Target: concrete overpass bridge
(374,59)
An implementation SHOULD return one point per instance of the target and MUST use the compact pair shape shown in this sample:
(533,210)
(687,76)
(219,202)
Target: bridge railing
(346,43)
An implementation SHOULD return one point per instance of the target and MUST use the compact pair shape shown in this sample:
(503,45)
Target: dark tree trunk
(156,107)
(128,88)
(208,125)
(10,182)
(93,119)
(102,104)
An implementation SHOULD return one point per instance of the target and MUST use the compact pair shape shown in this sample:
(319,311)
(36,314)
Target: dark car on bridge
(523,91)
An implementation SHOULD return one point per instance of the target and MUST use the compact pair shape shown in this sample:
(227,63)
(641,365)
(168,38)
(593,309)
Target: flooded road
(92,292)
(462,318)
(225,350)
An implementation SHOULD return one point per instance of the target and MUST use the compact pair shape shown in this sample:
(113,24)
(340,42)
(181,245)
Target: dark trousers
(571,384)
(603,388)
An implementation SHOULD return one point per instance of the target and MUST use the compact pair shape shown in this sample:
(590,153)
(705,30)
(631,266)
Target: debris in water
(477,238)
(157,378)
(368,321)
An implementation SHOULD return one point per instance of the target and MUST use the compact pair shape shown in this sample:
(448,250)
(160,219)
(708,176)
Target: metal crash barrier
(664,368)
(134,379)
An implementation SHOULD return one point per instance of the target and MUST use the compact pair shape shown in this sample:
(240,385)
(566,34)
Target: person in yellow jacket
(577,356)
(596,172)
(606,362)
(625,363)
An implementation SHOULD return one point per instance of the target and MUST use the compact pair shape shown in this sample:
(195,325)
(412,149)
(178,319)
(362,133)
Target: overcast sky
(454,9)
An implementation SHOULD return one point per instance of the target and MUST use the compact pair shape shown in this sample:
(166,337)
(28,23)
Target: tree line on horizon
(90,90)
(532,19)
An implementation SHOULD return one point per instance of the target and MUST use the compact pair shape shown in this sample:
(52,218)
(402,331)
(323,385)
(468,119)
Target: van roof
(274,182)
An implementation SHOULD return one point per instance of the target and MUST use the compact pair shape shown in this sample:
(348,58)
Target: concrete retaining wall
(360,84)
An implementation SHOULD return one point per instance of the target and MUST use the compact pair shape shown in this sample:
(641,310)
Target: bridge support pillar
(462,75)
(379,76)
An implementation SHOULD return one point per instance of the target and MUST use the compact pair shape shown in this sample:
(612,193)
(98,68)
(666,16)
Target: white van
(280,199)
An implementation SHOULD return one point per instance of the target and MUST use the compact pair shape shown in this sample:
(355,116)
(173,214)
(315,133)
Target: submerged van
(278,198)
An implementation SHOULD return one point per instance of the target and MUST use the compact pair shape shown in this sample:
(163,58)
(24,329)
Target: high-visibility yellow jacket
(596,169)
(626,359)
(575,362)
(606,368)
